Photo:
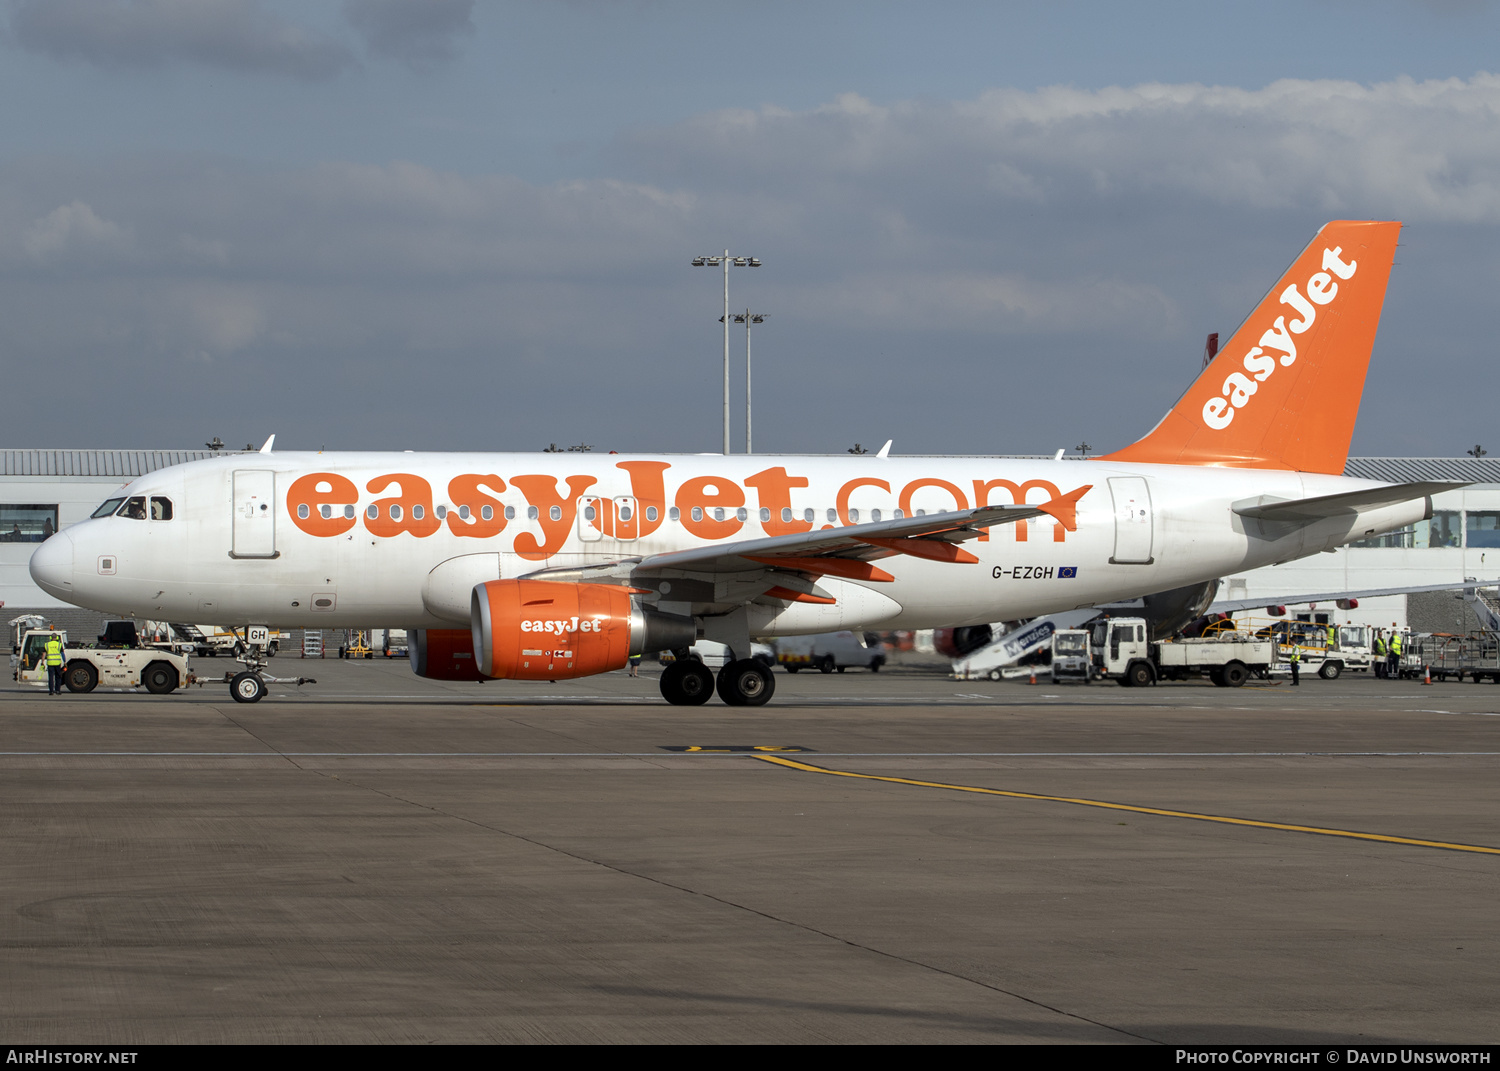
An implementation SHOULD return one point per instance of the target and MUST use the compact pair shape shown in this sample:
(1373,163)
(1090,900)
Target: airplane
(556,566)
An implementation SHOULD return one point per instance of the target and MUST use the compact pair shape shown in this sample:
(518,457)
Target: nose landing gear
(249,686)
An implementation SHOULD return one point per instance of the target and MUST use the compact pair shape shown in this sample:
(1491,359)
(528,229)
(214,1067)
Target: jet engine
(443,654)
(545,630)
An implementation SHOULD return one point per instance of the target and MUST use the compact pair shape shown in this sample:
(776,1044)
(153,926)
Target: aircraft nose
(52,566)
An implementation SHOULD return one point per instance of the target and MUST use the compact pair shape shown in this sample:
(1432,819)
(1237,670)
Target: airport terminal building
(42,491)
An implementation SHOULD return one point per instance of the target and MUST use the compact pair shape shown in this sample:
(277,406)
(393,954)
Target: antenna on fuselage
(267,448)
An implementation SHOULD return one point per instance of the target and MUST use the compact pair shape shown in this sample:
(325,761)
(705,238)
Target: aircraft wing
(1227,606)
(1307,510)
(935,536)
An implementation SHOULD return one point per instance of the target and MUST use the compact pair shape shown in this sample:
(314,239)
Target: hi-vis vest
(54,652)
(1379,646)
(1396,644)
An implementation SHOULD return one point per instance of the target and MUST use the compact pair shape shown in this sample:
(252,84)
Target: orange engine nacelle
(443,654)
(543,630)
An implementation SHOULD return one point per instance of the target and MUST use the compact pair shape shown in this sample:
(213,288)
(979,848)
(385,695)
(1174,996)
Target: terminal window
(1483,529)
(26,523)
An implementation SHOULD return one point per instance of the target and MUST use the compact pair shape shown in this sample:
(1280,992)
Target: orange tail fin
(1284,391)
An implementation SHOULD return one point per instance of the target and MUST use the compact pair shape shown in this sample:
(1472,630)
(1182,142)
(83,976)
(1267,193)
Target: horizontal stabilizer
(1306,510)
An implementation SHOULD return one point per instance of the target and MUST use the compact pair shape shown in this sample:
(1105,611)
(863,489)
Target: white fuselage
(265,538)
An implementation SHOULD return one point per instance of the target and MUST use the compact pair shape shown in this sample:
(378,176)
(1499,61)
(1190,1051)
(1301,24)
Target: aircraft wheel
(687,684)
(247,688)
(746,683)
(81,677)
(159,678)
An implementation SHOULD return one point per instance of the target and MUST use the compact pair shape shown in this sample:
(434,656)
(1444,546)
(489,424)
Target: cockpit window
(134,508)
(161,508)
(107,509)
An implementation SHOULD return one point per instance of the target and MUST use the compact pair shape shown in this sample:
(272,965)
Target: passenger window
(135,508)
(899,514)
(349,513)
(531,513)
(589,513)
(697,513)
(463,513)
(161,508)
(417,513)
(807,515)
(674,514)
(441,511)
(303,512)
(555,513)
(833,515)
(395,511)
(874,515)
(624,513)
(487,512)
(718,513)
(373,512)
(786,514)
(651,513)
(742,514)
(510,513)
(854,516)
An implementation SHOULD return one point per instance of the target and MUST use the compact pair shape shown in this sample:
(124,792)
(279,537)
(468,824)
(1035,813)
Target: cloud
(237,35)
(1012,272)
(422,34)
(72,230)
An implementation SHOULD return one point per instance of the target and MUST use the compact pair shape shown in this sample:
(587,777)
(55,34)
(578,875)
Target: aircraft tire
(687,684)
(81,677)
(746,683)
(247,688)
(159,678)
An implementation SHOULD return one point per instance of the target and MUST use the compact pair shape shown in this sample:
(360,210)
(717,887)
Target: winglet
(1284,391)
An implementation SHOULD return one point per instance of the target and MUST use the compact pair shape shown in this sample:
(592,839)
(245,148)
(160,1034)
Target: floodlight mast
(748,318)
(739,262)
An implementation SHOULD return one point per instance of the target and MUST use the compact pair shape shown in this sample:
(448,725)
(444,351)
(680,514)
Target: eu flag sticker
(1067,572)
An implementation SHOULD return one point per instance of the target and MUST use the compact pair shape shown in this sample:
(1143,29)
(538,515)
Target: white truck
(1070,656)
(1122,651)
(829,651)
(85,668)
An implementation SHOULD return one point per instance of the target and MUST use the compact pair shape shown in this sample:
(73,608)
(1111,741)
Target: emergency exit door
(1134,522)
(254,514)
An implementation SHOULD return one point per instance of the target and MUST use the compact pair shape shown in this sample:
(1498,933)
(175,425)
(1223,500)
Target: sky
(983,227)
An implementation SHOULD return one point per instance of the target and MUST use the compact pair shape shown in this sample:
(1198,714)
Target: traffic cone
(1427,677)
(1033,674)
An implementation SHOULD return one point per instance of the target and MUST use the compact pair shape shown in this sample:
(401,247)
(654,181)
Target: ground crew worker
(1294,656)
(54,649)
(1393,660)
(1333,638)
(1377,648)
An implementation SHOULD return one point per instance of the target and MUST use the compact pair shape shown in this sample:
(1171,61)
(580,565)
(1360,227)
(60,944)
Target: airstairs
(991,661)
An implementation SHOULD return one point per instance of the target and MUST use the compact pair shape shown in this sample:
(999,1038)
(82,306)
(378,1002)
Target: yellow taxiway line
(1160,811)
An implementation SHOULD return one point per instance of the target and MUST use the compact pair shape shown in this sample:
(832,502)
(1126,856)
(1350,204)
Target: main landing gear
(744,682)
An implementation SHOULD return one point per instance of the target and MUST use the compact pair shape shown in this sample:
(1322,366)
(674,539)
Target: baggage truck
(1122,651)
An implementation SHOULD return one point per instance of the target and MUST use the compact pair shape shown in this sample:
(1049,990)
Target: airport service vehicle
(1071,657)
(555,566)
(158,671)
(829,651)
(218,640)
(1122,651)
